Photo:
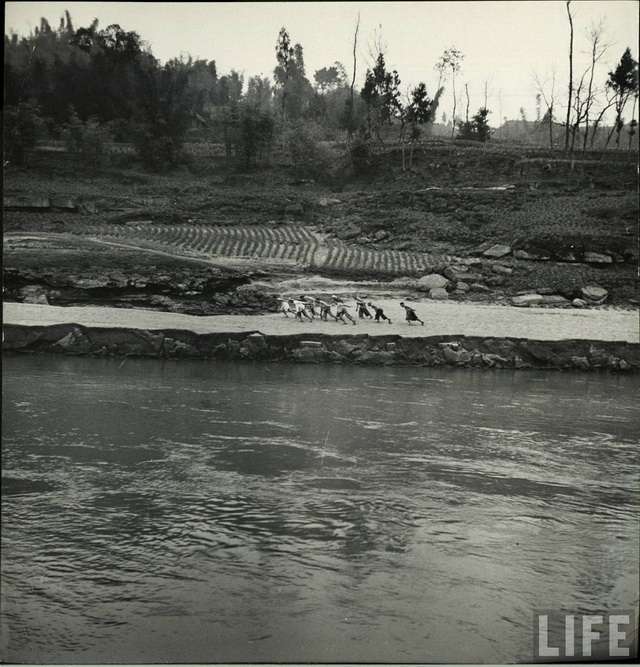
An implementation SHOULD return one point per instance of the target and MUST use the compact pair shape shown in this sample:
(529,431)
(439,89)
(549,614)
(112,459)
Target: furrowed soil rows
(283,243)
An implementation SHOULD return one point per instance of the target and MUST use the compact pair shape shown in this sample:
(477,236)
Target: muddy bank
(460,351)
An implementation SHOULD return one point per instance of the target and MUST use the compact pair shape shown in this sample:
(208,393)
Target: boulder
(596,258)
(89,283)
(482,248)
(523,254)
(293,209)
(457,273)
(497,250)
(554,300)
(364,240)
(74,342)
(525,300)
(462,287)
(502,270)
(454,270)
(438,293)
(545,290)
(432,281)
(581,363)
(579,303)
(594,294)
(349,231)
(502,347)
(33,294)
(477,287)
(328,201)
(456,356)
(496,281)
(381,235)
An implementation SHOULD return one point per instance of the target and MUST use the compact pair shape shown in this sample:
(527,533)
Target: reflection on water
(193,511)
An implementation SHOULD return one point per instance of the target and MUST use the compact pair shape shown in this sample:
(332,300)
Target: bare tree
(353,83)
(610,101)
(450,64)
(567,126)
(466,90)
(547,90)
(487,91)
(580,99)
(596,35)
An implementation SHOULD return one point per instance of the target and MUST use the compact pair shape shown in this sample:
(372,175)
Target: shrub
(306,152)
(23,127)
(89,140)
(360,155)
(157,151)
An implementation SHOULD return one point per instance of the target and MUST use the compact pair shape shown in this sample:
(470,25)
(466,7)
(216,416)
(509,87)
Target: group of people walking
(308,307)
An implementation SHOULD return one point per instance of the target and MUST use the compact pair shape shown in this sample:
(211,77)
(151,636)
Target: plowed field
(283,244)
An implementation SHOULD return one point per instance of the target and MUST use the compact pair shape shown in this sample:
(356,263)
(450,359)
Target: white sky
(504,42)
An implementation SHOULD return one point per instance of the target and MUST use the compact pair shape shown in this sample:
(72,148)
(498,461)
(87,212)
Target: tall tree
(350,104)
(419,111)
(598,47)
(381,93)
(623,81)
(546,89)
(567,126)
(294,88)
(450,64)
(331,77)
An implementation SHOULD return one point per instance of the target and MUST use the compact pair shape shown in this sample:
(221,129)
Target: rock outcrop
(469,351)
(207,291)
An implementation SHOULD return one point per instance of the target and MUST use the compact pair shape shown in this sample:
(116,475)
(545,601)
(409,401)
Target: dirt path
(440,319)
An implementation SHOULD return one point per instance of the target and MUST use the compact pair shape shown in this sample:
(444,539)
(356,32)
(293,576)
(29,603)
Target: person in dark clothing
(379,313)
(411,314)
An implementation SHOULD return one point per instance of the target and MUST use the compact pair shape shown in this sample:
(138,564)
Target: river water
(211,512)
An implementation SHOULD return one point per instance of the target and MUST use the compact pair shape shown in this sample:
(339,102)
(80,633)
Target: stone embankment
(310,347)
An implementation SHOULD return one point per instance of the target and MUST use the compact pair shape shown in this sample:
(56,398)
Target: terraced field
(292,245)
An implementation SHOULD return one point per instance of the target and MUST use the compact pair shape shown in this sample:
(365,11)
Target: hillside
(132,232)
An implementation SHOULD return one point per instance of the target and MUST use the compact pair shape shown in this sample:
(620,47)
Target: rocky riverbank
(193,291)
(309,347)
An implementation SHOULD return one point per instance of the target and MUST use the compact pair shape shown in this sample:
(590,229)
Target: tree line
(91,86)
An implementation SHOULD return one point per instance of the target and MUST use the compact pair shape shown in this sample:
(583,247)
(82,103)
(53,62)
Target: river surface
(186,511)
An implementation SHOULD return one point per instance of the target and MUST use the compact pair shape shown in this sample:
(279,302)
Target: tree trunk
(632,126)
(567,126)
(453,120)
(574,132)
(613,129)
(353,83)
(466,88)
